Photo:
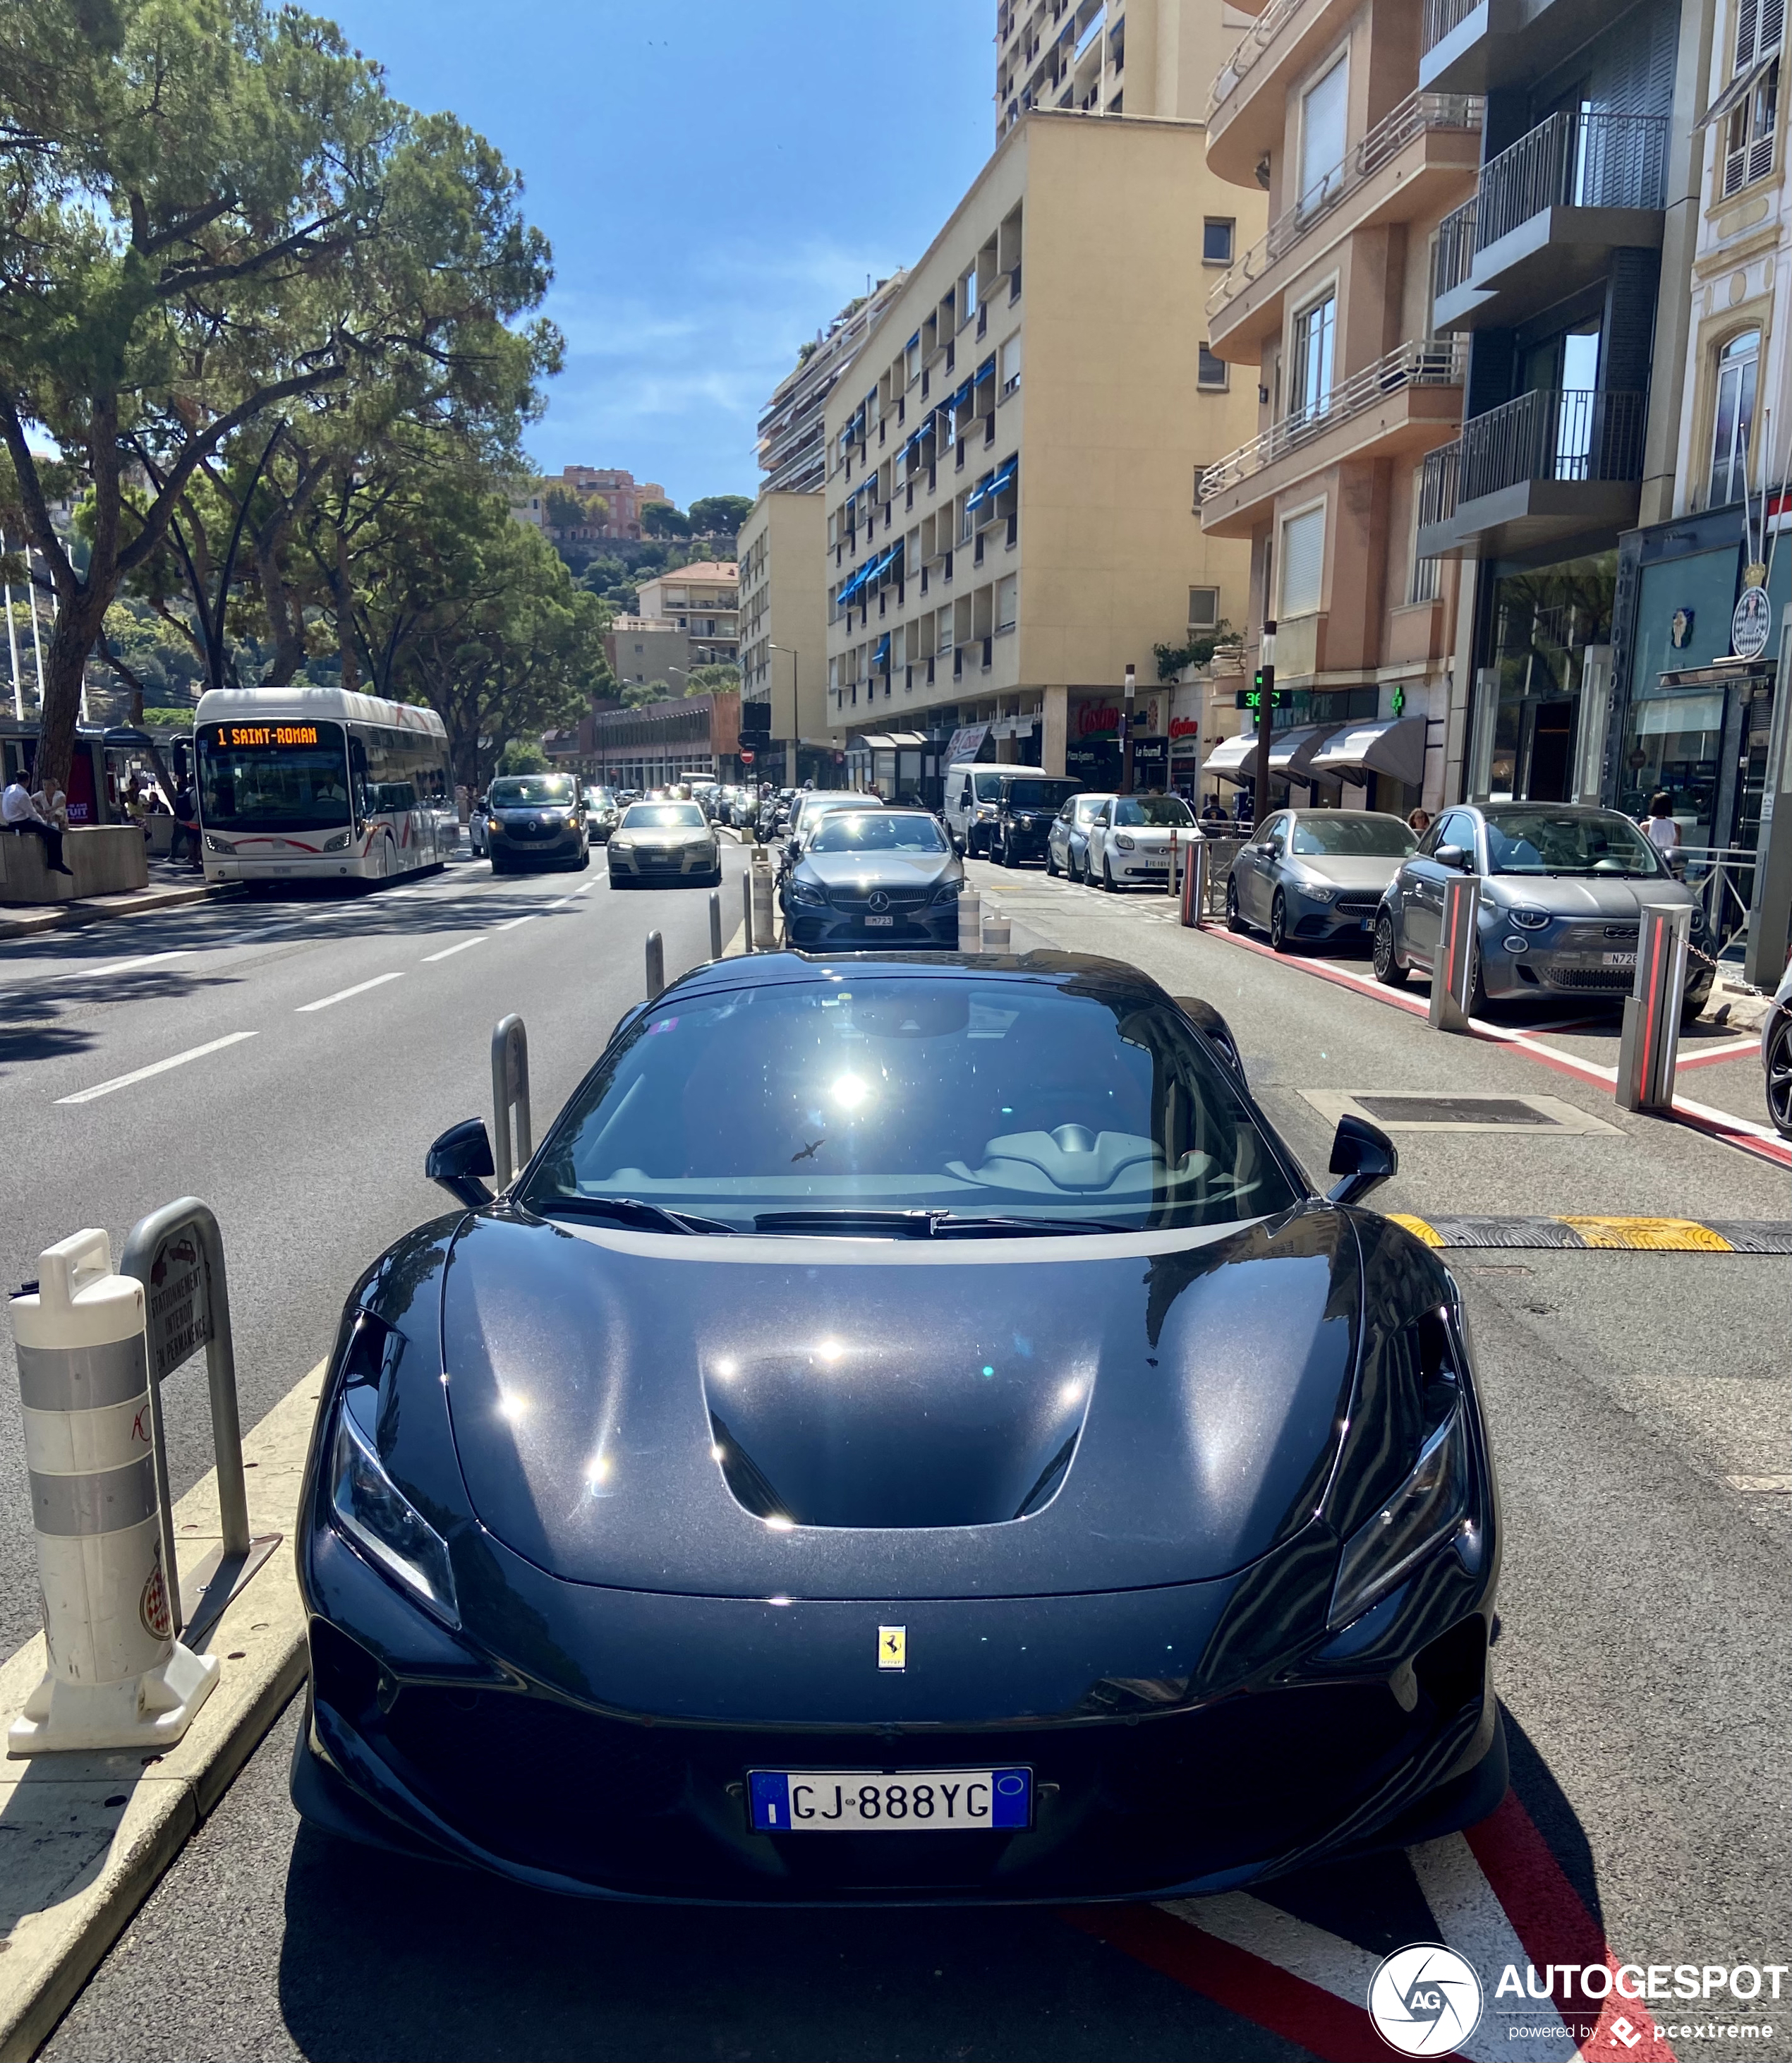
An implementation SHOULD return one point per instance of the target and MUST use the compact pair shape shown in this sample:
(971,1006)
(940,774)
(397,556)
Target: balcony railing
(1455,258)
(1431,362)
(1263,32)
(1415,114)
(1440,17)
(1574,160)
(1573,434)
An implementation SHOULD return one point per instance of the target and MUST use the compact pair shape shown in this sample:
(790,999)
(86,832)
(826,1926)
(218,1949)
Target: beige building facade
(783,630)
(1107,57)
(793,433)
(703,600)
(1012,459)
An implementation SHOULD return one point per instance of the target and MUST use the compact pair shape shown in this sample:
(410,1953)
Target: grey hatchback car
(1317,875)
(1561,888)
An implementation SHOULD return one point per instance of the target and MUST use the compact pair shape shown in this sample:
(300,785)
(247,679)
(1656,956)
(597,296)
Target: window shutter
(1747,19)
(1771,27)
(1303,562)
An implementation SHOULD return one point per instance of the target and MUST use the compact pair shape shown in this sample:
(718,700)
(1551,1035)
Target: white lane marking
(141,960)
(1333,1965)
(343,994)
(156,1067)
(515,921)
(584,888)
(447,952)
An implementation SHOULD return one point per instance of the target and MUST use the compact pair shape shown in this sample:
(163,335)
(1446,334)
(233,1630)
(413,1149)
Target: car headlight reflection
(1315,891)
(947,891)
(383,1522)
(1532,920)
(806,892)
(1125,843)
(1418,1518)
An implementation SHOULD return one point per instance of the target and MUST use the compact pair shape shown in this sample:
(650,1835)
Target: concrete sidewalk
(27,923)
(87,1836)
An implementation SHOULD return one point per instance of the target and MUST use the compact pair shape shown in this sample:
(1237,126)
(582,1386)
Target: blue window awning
(1005,474)
(986,370)
(984,489)
(881,656)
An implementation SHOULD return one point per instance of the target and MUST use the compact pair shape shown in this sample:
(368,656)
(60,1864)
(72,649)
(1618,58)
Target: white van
(972,792)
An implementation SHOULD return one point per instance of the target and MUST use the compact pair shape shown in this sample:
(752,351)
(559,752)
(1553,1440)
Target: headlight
(1125,843)
(806,891)
(1418,1518)
(381,1521)
(218,844)
(336,843)
(1532,920)
(947,891)
(492,824)
(985,809)
(1314,891)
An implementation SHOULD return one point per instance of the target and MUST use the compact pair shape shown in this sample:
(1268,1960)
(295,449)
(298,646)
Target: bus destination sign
(260,736)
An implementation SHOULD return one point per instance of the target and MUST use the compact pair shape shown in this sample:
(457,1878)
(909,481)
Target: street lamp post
(1266,717)
(795,738)
(1125,734)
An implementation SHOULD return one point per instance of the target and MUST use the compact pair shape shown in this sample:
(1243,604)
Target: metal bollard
(764,916)
(1194,884)
(510,1086)
(1649,1050)
(971,922)
(715,925)
(997,932)
(1453,969)
(655,964)
(1170,879)
(746,912)
(118,1678)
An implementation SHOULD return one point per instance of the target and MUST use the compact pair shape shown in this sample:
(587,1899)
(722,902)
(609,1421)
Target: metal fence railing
(1454,257)
(1440,17)
(1415,114)
(1257,39)
(1723,878)
(1572,434)
(1575,159)
(1431,361)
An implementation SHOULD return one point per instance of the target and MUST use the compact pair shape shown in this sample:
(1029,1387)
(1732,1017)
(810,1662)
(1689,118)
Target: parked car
(1317,875)
(602,812)
(1067,846)
(1128,840)
(1562,886)
(665,845)
(535,820)
(1026,805)
(475,828)
(973,792)
(887,877)
(1776,1056)
(812,805)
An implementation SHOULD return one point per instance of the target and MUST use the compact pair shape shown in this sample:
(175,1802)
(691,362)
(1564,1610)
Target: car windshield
(987,785)
(1157,810)
(273,777)
(1352,834)
(1544,841)
(815,807)
(599,798)
(1039,794)
(526,791)
(1060,1105)
(876,830)
(662,817)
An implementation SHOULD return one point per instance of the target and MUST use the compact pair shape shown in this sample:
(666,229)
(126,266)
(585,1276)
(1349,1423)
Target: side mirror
(1364,1155)
(1455,856)
(1217,1033)
(459,1158)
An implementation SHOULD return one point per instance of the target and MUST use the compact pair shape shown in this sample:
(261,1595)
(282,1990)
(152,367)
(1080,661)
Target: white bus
(311,784)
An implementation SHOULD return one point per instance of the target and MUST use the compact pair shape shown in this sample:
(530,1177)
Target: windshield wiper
(628,1210)
(924,1224)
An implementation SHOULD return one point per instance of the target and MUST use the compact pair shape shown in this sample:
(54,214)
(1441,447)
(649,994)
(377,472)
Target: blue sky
(716,182)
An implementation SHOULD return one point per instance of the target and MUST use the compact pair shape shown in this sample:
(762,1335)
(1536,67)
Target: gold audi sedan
(665,843)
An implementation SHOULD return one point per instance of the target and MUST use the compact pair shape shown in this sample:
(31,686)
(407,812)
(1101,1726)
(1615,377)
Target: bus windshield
(273,776)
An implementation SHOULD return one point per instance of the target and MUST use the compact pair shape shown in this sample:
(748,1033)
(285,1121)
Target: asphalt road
(1638,1403)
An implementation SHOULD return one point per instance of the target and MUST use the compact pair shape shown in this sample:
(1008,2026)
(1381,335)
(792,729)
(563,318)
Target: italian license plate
(869,1801)
(1619,959)
(885,922)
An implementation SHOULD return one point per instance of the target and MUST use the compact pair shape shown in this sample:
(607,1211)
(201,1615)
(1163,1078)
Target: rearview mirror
(1452,855)
(1364,1155)
(1217,1031)
(459,1158)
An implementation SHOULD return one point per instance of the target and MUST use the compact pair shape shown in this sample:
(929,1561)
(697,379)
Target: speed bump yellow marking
(1657,1235)
(1418,1227)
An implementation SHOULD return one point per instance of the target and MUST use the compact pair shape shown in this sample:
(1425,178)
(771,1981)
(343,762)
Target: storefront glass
(1543,619)
(1673,737)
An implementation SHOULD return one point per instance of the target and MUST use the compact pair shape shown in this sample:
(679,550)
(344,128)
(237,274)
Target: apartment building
(1694,705)
(626,496)
(1000,547)
(783,632)
(793,435)
(703,600)
(644,648)
(1328,316)
(1105,57)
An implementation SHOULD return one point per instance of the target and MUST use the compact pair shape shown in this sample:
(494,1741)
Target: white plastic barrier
(997,932)
(118,1678)
(970,921)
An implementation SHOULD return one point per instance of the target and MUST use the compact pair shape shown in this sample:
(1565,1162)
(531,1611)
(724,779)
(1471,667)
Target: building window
(1738,364)
(1011,366)
(1749,140)
(1314,342)
(1007,601)
(1217,240)
(1324,109)
(1203,608)
(1303,562)
(1210,372)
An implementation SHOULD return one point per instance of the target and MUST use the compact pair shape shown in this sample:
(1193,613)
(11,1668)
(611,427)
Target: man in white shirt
(22,817)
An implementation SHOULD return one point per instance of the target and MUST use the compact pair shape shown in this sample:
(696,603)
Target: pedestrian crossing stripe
(1634,1234)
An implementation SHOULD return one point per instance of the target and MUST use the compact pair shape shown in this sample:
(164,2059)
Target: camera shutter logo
(1425,2000)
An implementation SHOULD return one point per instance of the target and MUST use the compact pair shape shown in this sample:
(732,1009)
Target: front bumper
(1547,964)
(1146,866)
(675,863)
(1344,920)
(806,925)
(559,846)
(419,1741)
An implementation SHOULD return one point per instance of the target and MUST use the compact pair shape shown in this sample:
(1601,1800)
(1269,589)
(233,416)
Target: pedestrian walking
(20,815)
(1659,828)
(183,841)
(1213,811)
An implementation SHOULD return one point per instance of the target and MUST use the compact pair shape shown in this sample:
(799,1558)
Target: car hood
(859,873)
(1571,896)
(1344,870)
(615,1397)
(669,835)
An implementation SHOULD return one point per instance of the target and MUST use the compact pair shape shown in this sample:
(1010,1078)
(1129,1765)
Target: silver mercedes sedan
(1317,876)
(1562,885)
